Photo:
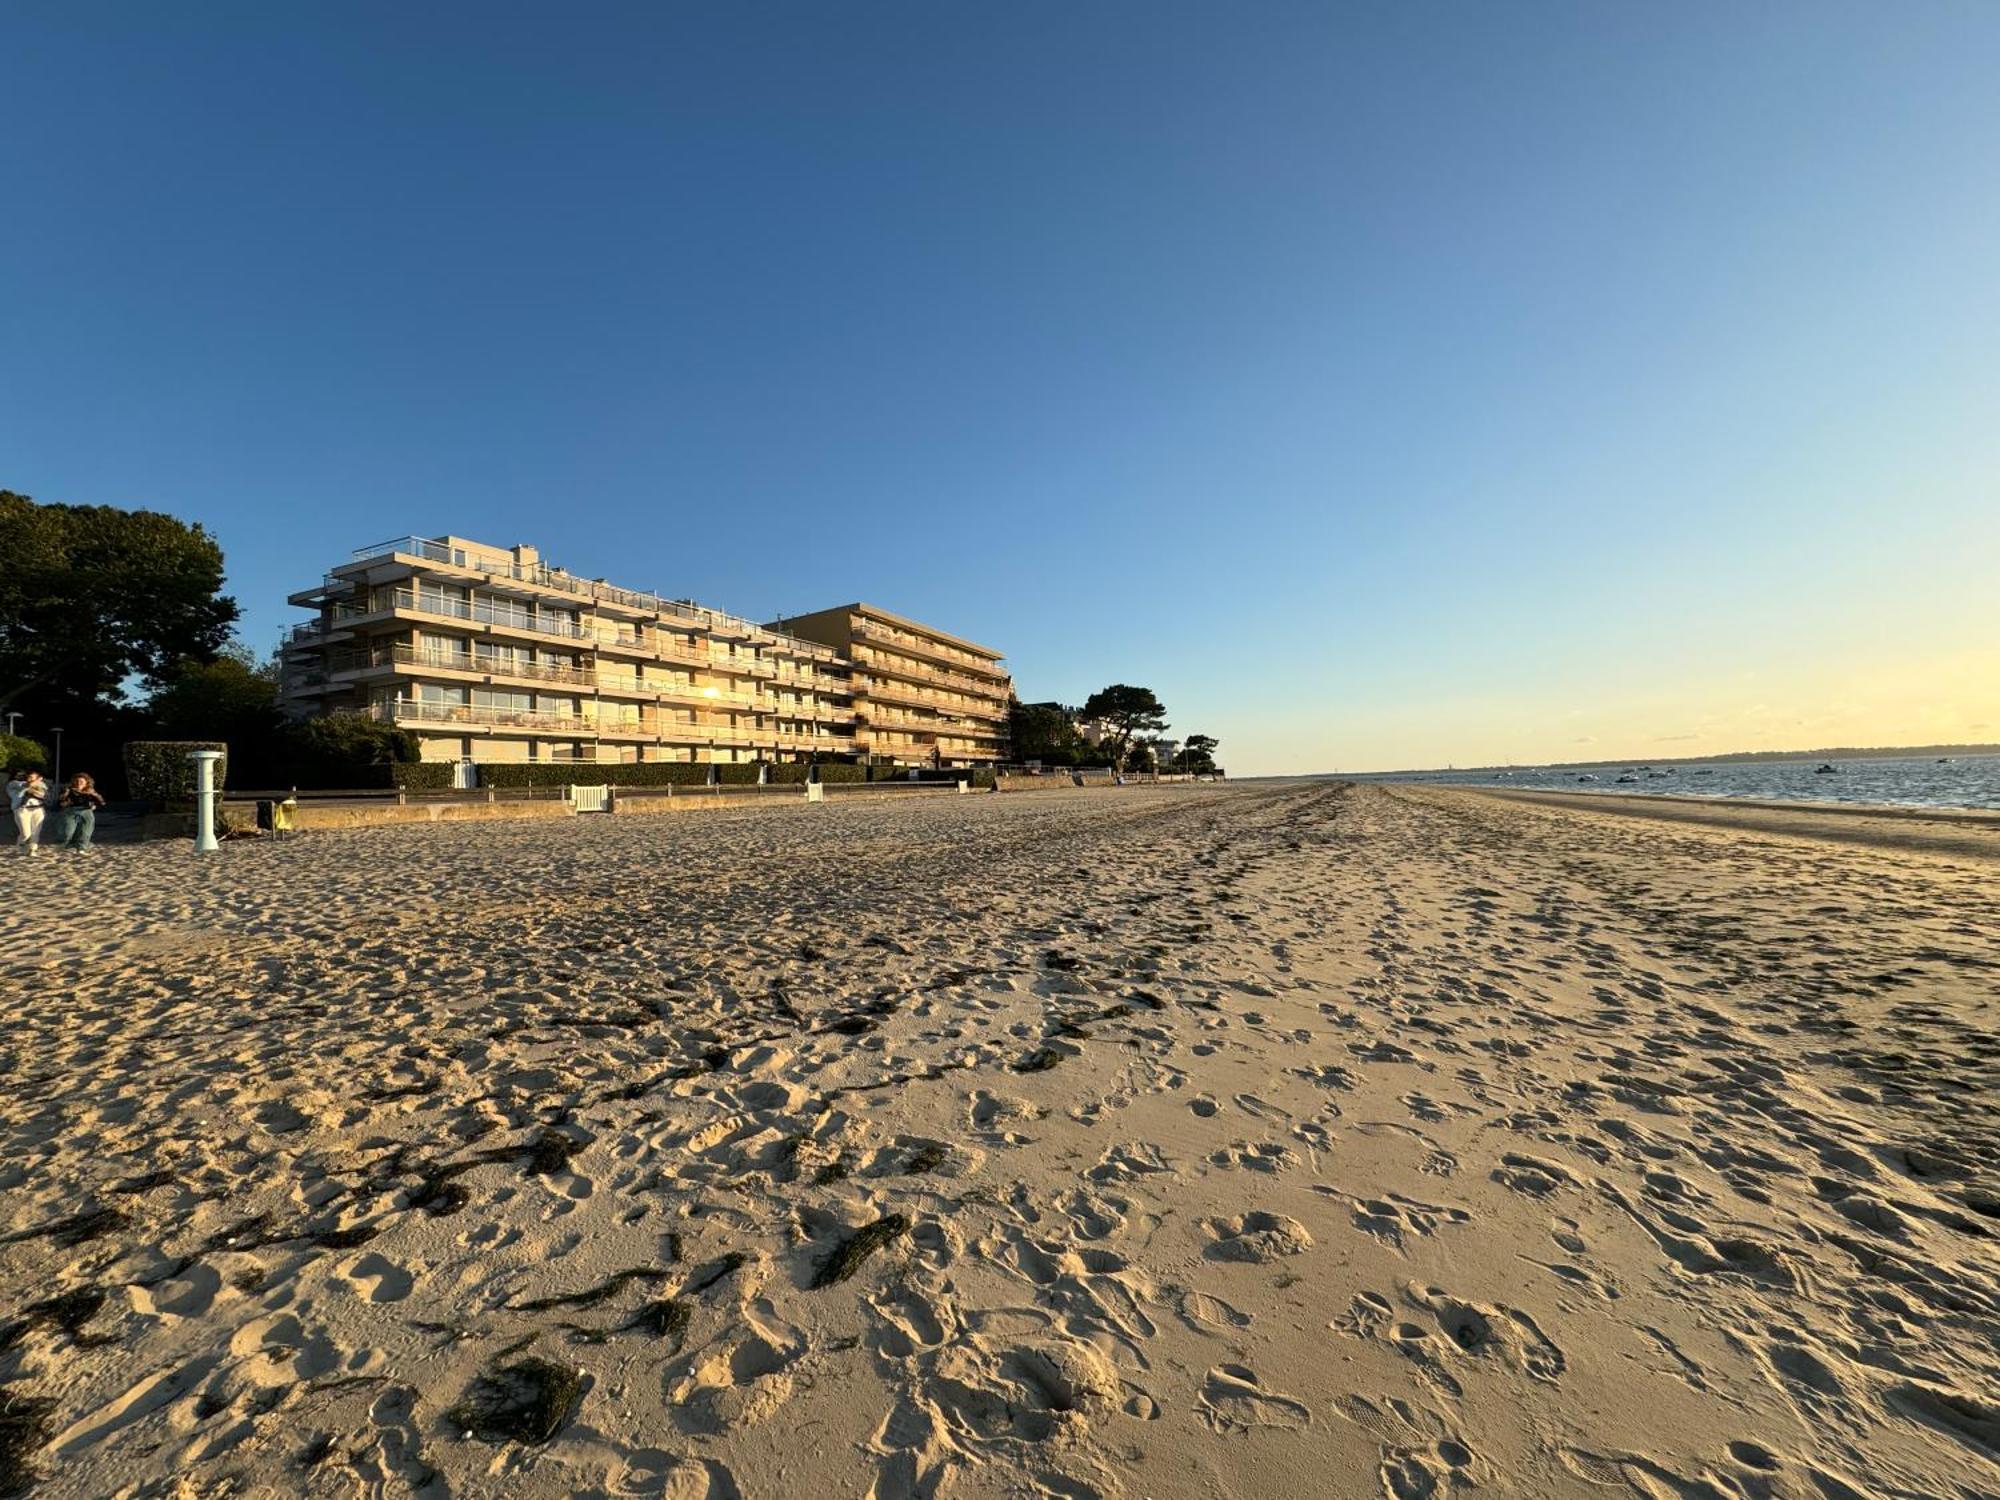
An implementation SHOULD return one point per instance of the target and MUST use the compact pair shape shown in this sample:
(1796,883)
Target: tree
(1140,758)
(1126,711)
(233,699)
(1045,732)
(1198,755)
(92,597)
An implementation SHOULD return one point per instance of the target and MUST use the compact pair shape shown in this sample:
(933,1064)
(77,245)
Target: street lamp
(13,715)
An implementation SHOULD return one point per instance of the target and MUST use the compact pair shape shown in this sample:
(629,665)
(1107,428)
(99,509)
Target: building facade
(921,697)
(490,654)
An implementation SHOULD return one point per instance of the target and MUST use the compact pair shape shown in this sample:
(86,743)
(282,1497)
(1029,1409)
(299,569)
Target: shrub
(986,779)
(160,771)
(17,751)
(348,750)
(594,773)
(839,771)
(739,774)
(422,776)
(790,773)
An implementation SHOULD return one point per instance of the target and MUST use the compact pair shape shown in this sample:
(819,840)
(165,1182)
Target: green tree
(1198,754)
(1045,732)
(233,699)
(1126,711)
(18,751)
(1140,758)
(93,597)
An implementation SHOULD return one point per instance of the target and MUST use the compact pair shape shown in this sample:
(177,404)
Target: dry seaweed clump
(24,1428)
(848,1257)
(529,1401)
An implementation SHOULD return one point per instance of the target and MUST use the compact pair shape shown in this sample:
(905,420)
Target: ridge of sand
(1253,1141)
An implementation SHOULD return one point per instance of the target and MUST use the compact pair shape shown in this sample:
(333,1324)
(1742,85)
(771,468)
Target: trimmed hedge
(790,773)
(516,773)
(423,776)
(840,772)
(160,771)
(738,773)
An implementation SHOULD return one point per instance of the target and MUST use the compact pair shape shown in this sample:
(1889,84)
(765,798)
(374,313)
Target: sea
(1926,781)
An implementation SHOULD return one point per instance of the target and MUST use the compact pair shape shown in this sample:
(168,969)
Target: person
(28,797)
(79,805)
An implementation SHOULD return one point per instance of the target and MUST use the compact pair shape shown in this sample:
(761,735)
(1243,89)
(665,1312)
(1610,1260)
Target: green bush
(986,780)
(738,774)
(588,773)
(347,750)
(422,776)
(18,752)
(790,773)
(839,771)
(160,771)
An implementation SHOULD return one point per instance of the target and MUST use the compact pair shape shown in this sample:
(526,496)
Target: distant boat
(1628,781)
(1586,778)
(1826,770)
(1703,771)
(1944,760)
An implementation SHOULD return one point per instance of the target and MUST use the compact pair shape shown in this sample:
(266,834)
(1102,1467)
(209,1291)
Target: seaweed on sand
(529,1401)
(705,1276)
(550,1152)
(849,1255)
(927,1158)
(75,1229)
(591,1296)
(664,1318)
(24,1427)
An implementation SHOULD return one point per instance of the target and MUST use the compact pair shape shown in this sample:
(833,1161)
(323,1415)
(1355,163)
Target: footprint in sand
(1257,1238)
(1234,1400)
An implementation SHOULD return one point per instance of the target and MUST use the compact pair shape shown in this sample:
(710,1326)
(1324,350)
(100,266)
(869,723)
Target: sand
(1284,1140)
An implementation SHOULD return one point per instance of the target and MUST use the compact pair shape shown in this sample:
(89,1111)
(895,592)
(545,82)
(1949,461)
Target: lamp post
(13,716)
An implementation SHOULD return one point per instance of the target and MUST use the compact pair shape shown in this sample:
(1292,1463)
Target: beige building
(490,654)
(921,697)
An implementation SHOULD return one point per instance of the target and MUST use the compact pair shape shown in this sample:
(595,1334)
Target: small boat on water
(1827,769)
(1586,778)
(1628,781)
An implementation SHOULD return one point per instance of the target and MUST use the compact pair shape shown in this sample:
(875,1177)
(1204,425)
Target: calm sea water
(1964,781)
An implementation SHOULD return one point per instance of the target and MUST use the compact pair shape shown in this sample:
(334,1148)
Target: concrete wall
(1054,782)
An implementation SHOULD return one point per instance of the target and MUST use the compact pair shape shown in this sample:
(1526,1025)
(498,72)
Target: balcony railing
(932,650)
(474,611)
(871,660)
(463,661)
(400,710)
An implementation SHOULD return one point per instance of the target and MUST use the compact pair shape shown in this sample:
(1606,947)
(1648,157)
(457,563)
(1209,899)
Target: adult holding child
(79,807)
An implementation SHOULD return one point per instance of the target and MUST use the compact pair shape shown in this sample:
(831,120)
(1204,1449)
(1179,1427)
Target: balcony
(871,661)
(421,711)
(468,611)
(473,663)
(950,656)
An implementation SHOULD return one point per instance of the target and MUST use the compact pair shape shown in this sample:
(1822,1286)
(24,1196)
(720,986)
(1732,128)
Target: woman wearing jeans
(79,806)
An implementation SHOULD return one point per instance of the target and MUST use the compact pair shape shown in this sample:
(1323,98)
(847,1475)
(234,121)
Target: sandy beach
(1291,1139)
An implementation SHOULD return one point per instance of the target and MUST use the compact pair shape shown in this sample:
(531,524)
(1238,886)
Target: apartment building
(490,654)
(921,697)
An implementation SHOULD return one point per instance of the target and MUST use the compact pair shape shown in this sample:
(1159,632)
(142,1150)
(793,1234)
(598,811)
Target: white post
(204,799)
(815,792)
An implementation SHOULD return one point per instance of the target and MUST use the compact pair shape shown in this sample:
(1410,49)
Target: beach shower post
(205,794)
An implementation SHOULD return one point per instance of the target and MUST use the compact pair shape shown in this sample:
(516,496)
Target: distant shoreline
(1745,757)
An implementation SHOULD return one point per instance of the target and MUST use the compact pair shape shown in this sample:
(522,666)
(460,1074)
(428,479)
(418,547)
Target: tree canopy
(92,597)
(1198,754)
(1045,732)
(1126,711)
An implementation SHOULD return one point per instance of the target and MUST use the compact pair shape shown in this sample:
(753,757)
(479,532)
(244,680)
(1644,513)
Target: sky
(1385,385)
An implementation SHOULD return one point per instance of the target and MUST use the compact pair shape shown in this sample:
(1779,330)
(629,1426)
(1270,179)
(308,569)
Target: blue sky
(1385,385)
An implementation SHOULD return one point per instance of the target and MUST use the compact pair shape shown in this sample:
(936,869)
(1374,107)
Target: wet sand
(1280,1140)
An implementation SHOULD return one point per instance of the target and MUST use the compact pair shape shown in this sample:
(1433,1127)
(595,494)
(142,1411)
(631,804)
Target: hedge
(790,773)
(739,773)
(422,776)
(587,773)
(160,771)
(840,772)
